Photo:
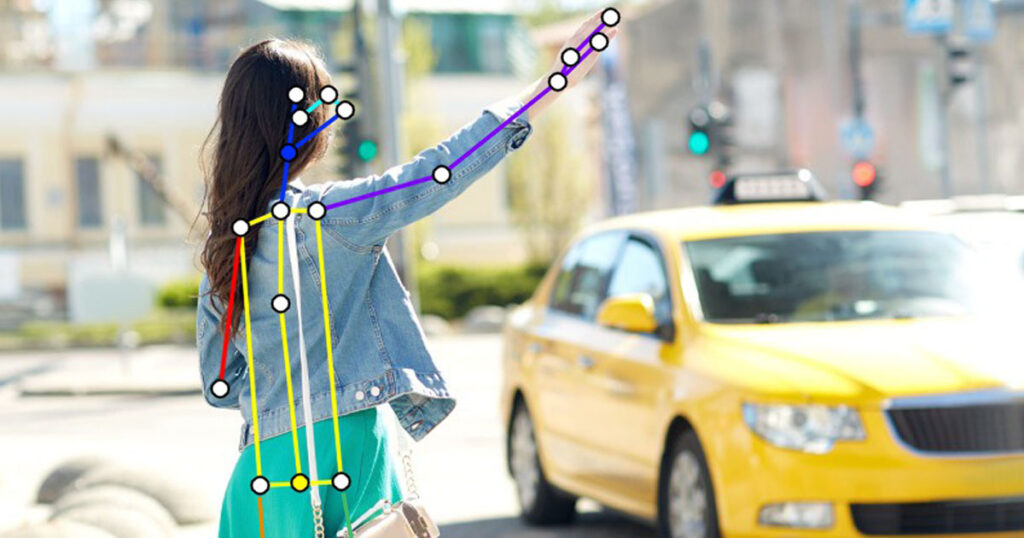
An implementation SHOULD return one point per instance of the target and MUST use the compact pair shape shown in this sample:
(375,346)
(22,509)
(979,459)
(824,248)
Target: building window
(151,206)
(87,185)
(12,195)
(465,43)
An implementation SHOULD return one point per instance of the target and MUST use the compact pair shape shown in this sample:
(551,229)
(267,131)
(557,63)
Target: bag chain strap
(318,520)
(405,453)
(410,479)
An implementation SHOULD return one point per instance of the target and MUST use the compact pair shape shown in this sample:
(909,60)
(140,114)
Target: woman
(363,343)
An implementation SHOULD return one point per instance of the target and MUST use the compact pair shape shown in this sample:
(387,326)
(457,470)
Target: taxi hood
(873,360)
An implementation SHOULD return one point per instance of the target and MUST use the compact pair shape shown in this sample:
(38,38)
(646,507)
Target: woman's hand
(579,42)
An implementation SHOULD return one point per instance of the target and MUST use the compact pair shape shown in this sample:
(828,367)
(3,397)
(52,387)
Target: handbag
(405,519)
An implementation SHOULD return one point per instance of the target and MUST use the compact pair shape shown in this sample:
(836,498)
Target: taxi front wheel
(541,503)
(686,496)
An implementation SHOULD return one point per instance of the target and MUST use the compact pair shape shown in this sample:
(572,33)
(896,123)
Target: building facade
(152,81)
(784,68)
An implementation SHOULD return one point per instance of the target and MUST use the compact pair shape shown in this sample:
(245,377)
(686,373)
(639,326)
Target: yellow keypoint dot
(300,482)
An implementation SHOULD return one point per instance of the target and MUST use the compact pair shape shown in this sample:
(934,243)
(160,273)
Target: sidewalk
(185,438)
(154,371)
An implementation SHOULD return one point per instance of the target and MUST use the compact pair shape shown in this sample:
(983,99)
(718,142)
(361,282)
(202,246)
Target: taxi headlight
(810,428)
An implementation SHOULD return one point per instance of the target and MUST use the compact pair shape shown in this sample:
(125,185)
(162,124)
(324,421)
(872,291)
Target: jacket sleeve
(210,342)
(368,215)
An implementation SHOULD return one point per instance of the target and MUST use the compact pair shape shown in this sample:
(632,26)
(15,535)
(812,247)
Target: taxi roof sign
(786,186)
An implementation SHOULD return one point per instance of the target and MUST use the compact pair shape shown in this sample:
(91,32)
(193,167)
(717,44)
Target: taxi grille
(984,515)
(989,427)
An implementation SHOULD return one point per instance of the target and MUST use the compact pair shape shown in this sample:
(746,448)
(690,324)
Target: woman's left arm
(210,344)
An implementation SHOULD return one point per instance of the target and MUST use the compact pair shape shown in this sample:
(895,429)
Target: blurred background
(106,103)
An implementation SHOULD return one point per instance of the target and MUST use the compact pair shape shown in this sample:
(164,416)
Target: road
(461,473)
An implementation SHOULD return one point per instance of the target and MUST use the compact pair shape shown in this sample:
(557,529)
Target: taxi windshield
(834,276)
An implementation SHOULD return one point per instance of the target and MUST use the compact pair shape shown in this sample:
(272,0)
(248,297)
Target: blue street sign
(858,138)
(928,16)
(979,20)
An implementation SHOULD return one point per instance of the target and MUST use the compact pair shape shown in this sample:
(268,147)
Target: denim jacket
(378,345)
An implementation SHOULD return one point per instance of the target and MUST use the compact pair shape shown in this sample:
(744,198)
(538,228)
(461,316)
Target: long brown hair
(244,170)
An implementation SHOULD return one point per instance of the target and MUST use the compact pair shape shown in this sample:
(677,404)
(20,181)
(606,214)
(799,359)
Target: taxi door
(625,379)
(560,402)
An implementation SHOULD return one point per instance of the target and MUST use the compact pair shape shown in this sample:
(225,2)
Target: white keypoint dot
(570,57)
(328,94)
(345,110)
(260,485)
(316,210)
(341,481)
(599,41)
(296,94)
(280,210)
(280,303)
(610,17)
(557,82)
(442,174)
(220,388)
(300,117)
(240,227)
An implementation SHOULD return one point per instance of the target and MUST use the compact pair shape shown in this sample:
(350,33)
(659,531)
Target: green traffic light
(367,150)
(699,142)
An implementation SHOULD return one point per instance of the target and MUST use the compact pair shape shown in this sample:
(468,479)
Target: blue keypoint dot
(288,152)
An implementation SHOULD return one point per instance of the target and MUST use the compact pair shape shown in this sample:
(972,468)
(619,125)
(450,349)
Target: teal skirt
(285,512)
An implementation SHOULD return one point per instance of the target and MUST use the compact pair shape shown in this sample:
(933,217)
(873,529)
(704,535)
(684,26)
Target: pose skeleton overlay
(303,324)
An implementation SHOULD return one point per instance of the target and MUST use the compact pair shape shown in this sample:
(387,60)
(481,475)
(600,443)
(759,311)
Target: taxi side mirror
(629,312)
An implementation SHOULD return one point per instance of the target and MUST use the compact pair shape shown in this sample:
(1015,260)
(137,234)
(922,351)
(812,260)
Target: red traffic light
(717,179)
(864,174)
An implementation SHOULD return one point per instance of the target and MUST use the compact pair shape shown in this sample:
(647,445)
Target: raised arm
(374,207)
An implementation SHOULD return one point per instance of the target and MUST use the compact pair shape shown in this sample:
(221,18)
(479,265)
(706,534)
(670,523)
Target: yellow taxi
(772,365)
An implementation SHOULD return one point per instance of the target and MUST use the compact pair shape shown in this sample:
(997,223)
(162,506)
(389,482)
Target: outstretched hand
(584,43)
(575,59)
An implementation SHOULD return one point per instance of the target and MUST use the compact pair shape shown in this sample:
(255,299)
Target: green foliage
(162,326)
(178,326)
(181,293)
(174,321)
(550,181)
(445,290)
(420,58)
(452,291)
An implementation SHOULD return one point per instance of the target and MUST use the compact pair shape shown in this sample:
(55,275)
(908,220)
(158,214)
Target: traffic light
(959,64)
(865,177)
(351,163)
(717,179)
(367,150)
(357,148)
(710,133)
(358,145)
(721,134)
(699,142)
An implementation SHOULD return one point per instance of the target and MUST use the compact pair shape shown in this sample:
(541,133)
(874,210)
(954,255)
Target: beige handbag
(404,519)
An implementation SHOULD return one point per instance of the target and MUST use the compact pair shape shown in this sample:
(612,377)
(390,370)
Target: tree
(550,184)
